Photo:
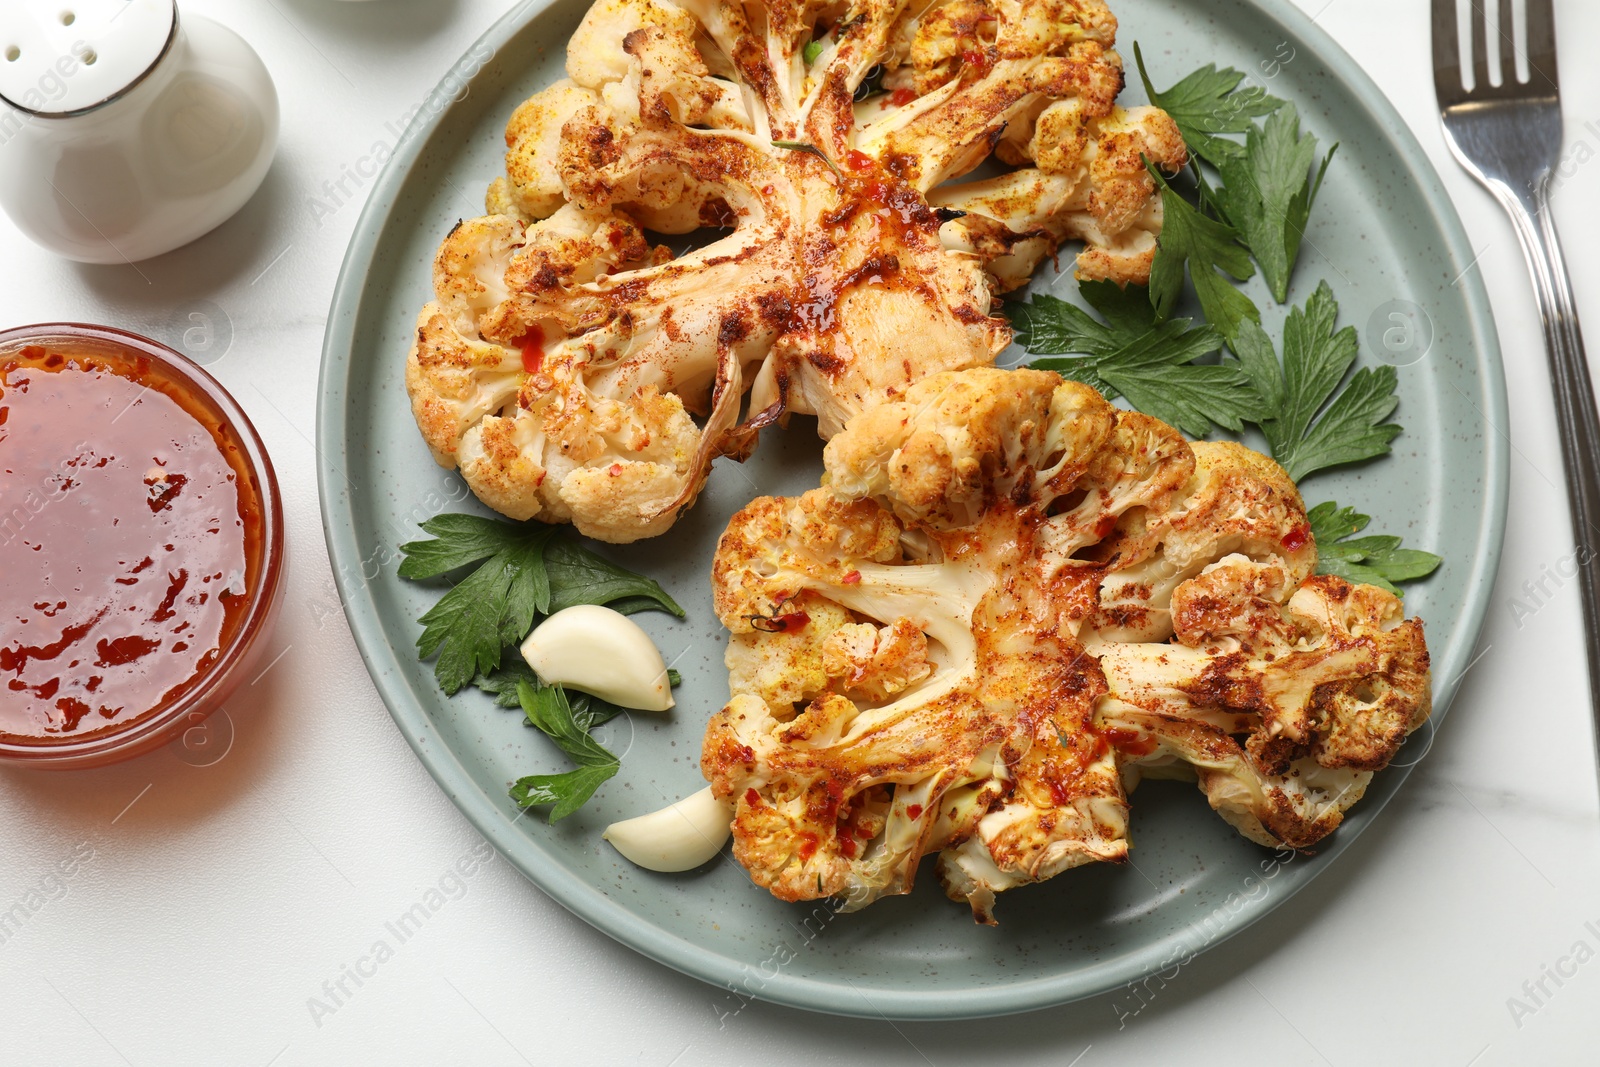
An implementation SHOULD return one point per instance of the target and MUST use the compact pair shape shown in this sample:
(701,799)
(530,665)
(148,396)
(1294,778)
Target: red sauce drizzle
(808,845)
(1131,742)
(902,97)
(977,57)
(780,622)
(830,803)
(853,578)
(859,160)
(1297,537)
(914,811)
(532,345)
(752,798)
(847,846)
(132,532)
(789,622)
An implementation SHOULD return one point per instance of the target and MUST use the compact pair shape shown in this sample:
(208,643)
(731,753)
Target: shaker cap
(60,57)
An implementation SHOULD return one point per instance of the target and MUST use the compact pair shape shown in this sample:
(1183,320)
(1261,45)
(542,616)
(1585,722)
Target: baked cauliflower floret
(531,186)
(1007,603)
(877,661)
(844,272)
(535,427)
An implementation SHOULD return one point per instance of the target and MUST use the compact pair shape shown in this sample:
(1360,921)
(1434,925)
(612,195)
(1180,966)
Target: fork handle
(1576,417)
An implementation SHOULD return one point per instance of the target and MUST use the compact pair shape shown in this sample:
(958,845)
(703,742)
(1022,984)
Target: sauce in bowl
(135,536)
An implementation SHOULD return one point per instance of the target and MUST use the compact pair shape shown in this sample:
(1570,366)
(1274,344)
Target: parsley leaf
(1206,245)
(492,607)
(523,571)
(1374,560)
(1318,424)
(1048,324)
(568,791)
(528,595)
(1268,192)
(458,541)
(1188,397)
(501,683)
(588,710)
(547,709)
(1131,354)
(1207,103)
(467,627)
(579,576)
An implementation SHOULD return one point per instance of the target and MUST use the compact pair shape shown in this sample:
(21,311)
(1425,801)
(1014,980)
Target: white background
(219,898)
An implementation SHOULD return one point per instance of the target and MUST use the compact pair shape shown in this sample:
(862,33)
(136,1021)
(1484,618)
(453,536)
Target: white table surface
(210,903)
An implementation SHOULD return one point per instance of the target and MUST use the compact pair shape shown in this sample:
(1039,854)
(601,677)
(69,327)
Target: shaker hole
(13,53)
(68,18)
(89,57)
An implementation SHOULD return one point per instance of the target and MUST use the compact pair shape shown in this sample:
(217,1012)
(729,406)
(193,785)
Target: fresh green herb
(1207,103)
(1318,423)
(459,540)
(501,683)
(812,50)
(1207,246)
(1131,354)
(1374,560)
(589,710)
(490,608)
(1051,325)
(579,576)
(809,149)
(1268,191)
(1314,412)
(548,710)
(523,571)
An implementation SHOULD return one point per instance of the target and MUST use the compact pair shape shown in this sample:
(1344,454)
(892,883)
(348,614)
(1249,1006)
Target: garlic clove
(679,837)
(603,652)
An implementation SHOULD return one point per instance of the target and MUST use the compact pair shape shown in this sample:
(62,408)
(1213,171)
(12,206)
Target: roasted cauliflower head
(1007,602)
(576,372)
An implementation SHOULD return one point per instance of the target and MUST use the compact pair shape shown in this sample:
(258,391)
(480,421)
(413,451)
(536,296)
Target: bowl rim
(219,679)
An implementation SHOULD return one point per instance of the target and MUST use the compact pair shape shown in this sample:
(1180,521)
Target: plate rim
(598,909)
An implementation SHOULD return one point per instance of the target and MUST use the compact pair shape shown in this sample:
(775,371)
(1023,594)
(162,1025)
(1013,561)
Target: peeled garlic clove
(679,837)
(603,652)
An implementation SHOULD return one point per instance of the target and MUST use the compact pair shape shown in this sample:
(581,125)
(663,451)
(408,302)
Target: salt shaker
(125,130)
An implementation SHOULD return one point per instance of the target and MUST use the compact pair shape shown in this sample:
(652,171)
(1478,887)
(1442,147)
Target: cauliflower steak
(574,372)
(1007,602)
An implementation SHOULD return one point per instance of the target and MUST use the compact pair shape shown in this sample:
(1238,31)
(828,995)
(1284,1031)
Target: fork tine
(1447,80)
(1508,44)
(1542,44)
(1478,45)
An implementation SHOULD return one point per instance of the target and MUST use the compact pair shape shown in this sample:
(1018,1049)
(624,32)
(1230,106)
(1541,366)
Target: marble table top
(196,909)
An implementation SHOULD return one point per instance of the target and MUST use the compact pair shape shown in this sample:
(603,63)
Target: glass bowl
(241,648)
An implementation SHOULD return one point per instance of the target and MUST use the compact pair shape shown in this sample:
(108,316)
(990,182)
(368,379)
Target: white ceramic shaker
(125,130)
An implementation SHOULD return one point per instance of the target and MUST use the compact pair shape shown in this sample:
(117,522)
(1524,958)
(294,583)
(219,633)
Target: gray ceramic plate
(1383,231)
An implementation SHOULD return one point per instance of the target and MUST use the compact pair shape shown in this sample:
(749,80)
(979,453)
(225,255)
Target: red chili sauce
(131,533)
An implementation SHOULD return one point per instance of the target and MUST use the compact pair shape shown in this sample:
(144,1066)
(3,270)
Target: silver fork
(1509,138)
